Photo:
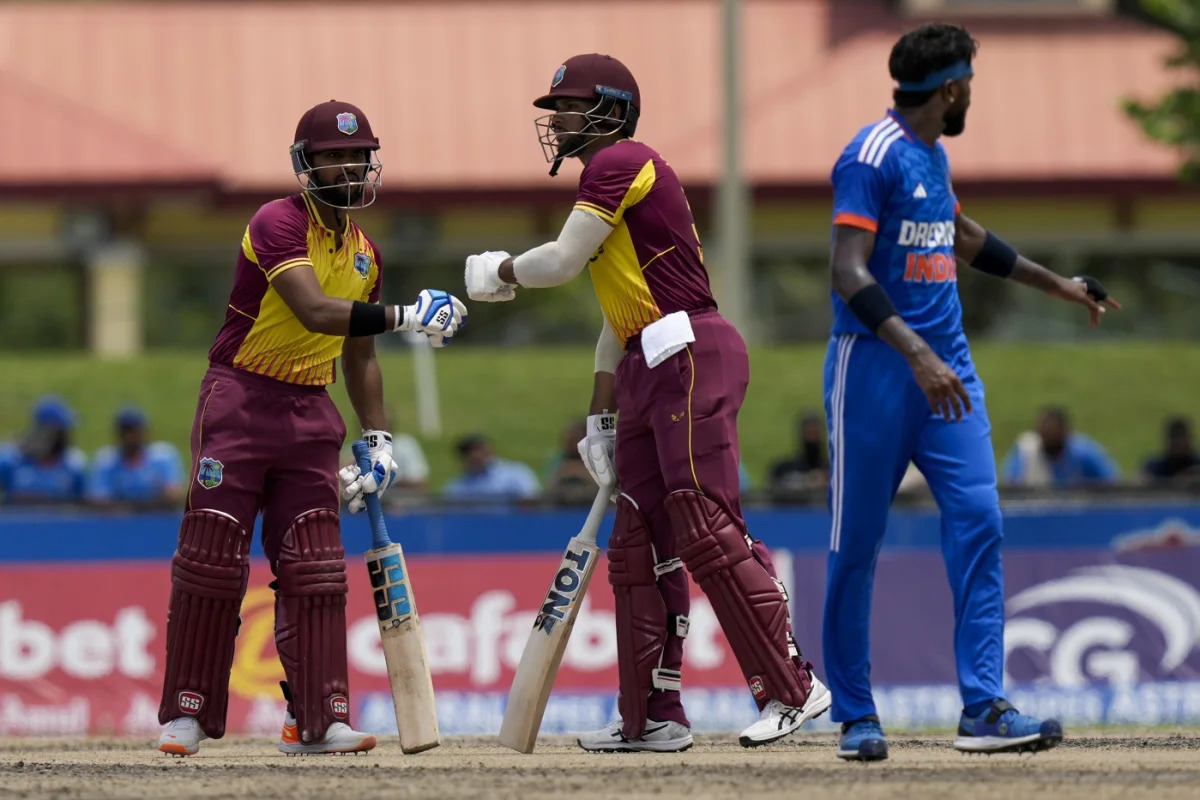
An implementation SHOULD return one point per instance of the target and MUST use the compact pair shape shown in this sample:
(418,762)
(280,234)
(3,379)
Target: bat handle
(379,534)
(595,517)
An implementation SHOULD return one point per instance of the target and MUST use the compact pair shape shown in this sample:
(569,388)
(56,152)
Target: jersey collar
(908,132)
(311,205)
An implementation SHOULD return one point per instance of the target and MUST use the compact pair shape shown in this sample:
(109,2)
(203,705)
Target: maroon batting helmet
(595,77)
(337,126)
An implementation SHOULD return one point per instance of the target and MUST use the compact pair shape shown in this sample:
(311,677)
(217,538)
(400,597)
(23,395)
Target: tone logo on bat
(563,591)
(392,602)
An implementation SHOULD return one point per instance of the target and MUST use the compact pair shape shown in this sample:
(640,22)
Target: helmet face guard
(359,193)
(597,124)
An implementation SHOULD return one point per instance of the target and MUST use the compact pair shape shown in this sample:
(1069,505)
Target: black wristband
(996,257)
(872,306)
(367,319)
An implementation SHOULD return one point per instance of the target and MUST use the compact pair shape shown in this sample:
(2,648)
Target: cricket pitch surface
(1097,765)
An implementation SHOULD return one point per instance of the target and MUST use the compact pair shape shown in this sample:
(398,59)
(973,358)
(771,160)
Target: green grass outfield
(523,398)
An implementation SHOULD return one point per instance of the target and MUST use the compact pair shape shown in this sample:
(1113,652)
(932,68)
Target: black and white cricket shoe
(776,720)
(659,737)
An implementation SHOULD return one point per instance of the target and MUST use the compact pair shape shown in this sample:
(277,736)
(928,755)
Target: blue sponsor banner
(51,535)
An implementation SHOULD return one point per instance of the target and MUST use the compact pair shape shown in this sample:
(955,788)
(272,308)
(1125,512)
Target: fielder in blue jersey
(900,386)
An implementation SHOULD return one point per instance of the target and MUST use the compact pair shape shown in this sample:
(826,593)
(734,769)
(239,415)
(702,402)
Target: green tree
(1175,118)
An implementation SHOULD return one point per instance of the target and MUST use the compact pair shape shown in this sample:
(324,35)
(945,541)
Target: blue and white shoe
(862,740)
(1003,729)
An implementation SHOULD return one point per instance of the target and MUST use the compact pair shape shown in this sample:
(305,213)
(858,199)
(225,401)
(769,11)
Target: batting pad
(641,614)
(209,573)
(310,622)
(748,602)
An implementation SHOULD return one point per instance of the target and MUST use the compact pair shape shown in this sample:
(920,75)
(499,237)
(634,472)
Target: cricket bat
(400,630)
(543,652)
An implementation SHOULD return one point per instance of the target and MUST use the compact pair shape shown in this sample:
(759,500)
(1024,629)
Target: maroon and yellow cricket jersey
(261,334)
(652,263)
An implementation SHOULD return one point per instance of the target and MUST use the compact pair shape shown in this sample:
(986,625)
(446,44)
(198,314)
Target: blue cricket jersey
(159,468)
(891,183)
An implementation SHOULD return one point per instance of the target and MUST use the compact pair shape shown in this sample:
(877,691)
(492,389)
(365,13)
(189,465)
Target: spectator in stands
(135,471)
(486,477)
(809,465)
(412,470)
(566,477)
(43,468)
(1179,458)
(1054,456)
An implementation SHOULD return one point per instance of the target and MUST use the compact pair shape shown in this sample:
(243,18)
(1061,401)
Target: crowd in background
(42,466)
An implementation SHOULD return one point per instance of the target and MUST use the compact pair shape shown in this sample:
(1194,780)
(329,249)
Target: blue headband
(959,69)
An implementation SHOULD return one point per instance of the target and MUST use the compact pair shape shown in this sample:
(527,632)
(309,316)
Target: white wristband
(404,318)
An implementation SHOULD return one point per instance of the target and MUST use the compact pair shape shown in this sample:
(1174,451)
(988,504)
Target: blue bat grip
(379,534)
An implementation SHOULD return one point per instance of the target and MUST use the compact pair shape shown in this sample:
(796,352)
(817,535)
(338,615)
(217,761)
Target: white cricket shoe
(339,738)
(776,720)
(181,737)
(659,737)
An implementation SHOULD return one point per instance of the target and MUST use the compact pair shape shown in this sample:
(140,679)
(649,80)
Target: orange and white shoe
(339,738)
(181,737)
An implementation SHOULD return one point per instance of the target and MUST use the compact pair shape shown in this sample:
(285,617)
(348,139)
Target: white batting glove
(356,485)
(597,448)
(483,278)
(436,314)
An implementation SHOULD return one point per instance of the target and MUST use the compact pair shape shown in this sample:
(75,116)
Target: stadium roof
(189,93)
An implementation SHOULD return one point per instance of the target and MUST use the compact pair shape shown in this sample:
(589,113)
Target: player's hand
(597,448)
(436,314)
(483,278)
(1088,292)
(947,396)
(356,485)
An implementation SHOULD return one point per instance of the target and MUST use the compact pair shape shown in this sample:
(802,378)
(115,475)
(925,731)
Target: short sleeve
(76,465)
(611,185)
(527,484)
(169,464)
(410,460)
(100,482)
(859,194)
(277,238)
(1096,463)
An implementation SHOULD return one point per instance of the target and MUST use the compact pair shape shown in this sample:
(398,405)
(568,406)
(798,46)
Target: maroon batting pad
(310,622)
(641,614)
(208,580)
(748,602)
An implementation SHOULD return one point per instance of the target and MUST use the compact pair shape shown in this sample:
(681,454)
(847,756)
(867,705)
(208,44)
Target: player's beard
(954,124)
(571,146)
(343,195)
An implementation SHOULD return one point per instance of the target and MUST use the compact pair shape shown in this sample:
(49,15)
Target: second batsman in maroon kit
(267,439)
(678,372)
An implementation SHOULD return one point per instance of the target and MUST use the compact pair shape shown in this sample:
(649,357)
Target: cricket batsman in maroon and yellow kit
(678,372)
(267,439)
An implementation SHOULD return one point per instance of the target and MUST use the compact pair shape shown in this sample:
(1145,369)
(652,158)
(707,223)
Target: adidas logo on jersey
(920,193)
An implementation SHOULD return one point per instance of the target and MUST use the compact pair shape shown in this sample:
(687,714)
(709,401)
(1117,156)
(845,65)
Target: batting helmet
(595,77)
(337,126)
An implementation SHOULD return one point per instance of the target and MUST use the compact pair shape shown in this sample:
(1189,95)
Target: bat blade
(403,650)
(534,679)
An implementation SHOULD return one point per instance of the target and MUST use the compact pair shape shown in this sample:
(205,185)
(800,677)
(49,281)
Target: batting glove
(483,278)
(597,448)
(436,314)
(356,485)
